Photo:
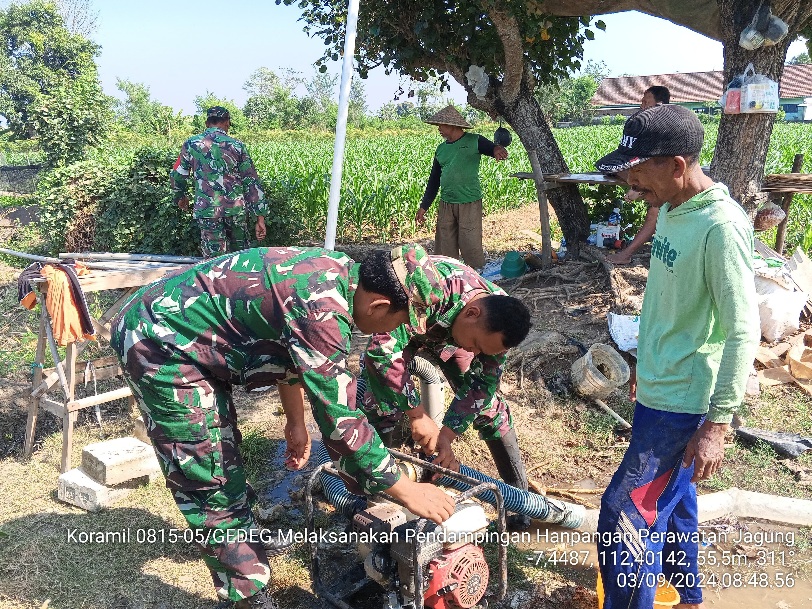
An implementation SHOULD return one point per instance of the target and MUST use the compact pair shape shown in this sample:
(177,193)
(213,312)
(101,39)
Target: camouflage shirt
(387,356)
(224,176)
(256,318)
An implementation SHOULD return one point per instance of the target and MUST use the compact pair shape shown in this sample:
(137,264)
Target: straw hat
(448,116)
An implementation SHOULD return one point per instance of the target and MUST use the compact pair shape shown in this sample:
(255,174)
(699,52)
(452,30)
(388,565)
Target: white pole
(341,125)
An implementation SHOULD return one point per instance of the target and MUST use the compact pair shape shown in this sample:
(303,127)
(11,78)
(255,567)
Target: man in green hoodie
(699,329)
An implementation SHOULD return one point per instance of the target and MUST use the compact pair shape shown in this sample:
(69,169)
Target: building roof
(796,81)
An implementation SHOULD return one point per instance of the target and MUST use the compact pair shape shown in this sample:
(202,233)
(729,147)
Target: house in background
(701,91)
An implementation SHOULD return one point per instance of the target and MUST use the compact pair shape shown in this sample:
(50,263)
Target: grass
(565,441)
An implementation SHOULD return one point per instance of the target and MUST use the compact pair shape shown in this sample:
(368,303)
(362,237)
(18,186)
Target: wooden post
(786,201)
(544,213)
(70,416)
(33,402)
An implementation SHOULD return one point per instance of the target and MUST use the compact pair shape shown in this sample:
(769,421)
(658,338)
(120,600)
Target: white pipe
(743,504)
(341,125)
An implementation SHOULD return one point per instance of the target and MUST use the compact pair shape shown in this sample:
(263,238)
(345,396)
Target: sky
(183,50)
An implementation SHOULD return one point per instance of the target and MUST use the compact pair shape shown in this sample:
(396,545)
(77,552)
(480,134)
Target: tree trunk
(743,140)
(527,120)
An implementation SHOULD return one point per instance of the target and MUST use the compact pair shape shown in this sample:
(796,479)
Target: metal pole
(341,125)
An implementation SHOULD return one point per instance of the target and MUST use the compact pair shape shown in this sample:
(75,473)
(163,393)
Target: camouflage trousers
(491,424)
(223,235)
(193,426)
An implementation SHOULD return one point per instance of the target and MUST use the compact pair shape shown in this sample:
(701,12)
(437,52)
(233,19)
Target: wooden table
(554,180)
(65,373)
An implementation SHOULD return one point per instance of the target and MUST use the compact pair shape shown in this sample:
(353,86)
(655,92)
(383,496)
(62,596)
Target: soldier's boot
(275,543)
(261,600)
(508,461)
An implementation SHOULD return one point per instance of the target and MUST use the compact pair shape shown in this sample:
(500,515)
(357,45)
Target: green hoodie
(699,327)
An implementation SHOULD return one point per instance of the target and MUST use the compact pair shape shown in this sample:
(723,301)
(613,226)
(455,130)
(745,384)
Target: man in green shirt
(699,329)
(455,174)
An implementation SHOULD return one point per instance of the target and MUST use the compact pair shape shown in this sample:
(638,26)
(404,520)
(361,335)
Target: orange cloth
(59,301)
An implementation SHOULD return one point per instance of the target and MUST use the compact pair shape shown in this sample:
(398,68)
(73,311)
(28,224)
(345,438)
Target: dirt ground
(566,444)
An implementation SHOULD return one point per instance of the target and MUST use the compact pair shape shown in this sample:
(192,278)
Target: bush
(122,203)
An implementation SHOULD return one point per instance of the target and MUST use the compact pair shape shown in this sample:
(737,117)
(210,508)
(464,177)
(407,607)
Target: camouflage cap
(421,281)
(218,112)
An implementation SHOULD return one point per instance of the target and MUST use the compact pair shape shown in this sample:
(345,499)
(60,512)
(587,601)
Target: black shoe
(276,544)
(518,523)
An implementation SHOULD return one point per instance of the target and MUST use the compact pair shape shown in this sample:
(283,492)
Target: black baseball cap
(663,130)
(218,112)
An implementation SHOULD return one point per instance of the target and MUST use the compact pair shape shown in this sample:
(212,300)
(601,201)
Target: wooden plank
(804,384)
(101,398)
(775,376)
(800,269)
(114,280)
(767,358)
(55,408)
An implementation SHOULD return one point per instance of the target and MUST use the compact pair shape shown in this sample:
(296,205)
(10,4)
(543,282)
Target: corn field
(385,175)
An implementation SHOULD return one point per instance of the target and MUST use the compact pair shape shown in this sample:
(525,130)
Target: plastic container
(562,249)
(599,372)
(513,265)
(665,597)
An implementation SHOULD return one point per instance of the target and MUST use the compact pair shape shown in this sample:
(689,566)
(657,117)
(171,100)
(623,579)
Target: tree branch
(511,38)
(699,15)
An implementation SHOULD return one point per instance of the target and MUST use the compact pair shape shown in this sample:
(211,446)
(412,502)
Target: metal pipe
(341,125)
(125,257)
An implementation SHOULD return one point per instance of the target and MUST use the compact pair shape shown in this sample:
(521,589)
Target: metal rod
(33,257)
(126,256)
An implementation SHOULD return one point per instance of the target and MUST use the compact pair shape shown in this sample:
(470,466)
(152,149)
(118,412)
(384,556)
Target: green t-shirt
(699,327)
(459,161)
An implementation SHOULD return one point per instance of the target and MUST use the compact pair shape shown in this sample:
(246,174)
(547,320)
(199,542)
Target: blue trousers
(648,527)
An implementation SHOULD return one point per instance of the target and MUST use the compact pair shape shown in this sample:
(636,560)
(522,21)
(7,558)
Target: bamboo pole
(544,214)
(602,405)
(99,398)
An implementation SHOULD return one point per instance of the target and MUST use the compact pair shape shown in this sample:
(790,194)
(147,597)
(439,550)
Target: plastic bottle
(615,218)
(562,250)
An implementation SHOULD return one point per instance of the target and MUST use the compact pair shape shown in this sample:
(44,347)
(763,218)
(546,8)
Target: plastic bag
(758,93)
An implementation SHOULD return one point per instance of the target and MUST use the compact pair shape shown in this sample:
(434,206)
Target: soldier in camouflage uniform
(470,325)
(262,317)
(225,183)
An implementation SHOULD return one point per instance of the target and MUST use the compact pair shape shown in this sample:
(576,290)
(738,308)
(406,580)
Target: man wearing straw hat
(455,174)
(699,329)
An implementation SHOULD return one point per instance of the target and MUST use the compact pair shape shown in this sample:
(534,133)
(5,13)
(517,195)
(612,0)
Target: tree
(141,114)
(49,85)
(271,102)
(204,102)
(498,51)
(78,16)
(801,58)
(519,46)
(39,55)
(357,111)
(743,139)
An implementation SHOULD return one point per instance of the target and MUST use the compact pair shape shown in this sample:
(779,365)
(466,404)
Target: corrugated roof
(692,86)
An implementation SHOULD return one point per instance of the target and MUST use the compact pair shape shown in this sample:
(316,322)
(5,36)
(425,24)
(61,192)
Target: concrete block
(79,489)
(140,431)
(119,460)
